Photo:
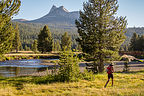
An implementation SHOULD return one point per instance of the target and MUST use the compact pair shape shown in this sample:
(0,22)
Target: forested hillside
(130,31)
(138,30)
(30,31)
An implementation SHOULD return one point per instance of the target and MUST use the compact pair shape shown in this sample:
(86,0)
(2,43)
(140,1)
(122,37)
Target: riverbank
(28,55)
(131,84)
(118,67)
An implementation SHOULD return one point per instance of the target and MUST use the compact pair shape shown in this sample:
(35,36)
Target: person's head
(111,64)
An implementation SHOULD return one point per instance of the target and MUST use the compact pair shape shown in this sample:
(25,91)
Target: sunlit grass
(125,84)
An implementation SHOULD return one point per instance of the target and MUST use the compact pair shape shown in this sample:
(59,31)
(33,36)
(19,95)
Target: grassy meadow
(125,84)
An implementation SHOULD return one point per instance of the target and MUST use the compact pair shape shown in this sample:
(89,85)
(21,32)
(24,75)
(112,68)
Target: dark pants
(110,76)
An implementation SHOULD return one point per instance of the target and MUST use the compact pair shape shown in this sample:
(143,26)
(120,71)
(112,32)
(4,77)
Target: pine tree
(7,9)
(16,41)
(101,33)
(66,41)
(34,46)
(133,42)
(139,45)
(137,42)
(45,40)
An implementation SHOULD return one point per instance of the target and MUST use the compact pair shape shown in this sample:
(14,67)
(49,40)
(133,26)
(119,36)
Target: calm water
(21,67)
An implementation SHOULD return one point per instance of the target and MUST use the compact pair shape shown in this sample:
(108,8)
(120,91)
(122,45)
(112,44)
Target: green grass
(125,84)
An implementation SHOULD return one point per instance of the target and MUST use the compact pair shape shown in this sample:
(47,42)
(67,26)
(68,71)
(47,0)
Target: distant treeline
(30,31)
(138,30)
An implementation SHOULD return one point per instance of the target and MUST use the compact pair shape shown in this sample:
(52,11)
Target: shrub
(69,67)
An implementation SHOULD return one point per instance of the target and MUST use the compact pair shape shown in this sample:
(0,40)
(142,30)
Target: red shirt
(109,69)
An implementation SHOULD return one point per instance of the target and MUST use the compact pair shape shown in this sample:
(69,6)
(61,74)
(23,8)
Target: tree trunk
(101,64)
(95,70)
(101,67)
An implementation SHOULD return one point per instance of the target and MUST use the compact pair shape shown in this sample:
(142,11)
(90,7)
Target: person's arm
(112,70)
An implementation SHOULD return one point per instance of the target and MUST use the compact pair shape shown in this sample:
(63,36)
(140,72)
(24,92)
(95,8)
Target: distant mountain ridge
(57,15)
(60,18)
(20,20)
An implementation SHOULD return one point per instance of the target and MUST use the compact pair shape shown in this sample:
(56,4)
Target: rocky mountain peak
(61,8)
(53,8)
(57,15)
(64,9)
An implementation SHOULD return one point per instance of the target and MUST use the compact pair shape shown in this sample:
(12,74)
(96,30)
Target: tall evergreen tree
(7,9)
(45,40)
(34,46)
(137,42)
(101,33)
(66,42)
(141,43)
(133,42)
(16,41)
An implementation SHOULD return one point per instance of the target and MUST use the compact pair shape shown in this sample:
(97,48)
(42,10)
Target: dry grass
(13,53)
(27,53)
(131,84)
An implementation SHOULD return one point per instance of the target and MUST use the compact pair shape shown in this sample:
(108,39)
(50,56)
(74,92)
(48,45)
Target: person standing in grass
(110,71)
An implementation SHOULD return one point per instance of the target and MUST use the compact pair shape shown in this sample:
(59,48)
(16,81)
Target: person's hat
(111,64)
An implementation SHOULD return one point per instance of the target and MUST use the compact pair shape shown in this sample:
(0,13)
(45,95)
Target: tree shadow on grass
(45,79)
(17,82)
(18,85)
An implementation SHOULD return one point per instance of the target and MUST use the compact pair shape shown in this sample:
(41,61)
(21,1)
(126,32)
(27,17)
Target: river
(14,68)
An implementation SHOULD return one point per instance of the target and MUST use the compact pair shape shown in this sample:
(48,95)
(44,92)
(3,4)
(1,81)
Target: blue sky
(33,9)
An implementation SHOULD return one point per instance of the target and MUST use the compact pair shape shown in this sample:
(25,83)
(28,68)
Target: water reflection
(23,67)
